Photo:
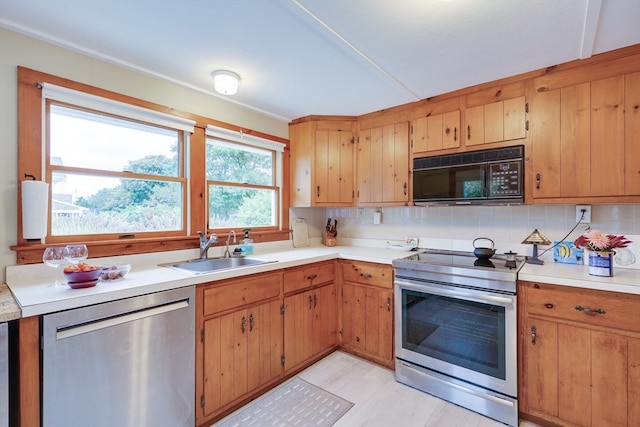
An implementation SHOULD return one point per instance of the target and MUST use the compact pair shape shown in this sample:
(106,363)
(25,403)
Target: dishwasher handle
(119,320)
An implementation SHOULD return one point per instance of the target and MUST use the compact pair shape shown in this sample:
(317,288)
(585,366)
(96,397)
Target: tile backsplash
(455,227)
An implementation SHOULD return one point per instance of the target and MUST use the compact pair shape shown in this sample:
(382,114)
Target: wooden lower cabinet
(309,325)
(367,310)
(577,369)
(240,344)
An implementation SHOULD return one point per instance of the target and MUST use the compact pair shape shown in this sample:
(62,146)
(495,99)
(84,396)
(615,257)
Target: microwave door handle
(485,180)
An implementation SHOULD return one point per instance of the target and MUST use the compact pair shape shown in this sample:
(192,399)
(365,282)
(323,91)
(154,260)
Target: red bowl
(83,276)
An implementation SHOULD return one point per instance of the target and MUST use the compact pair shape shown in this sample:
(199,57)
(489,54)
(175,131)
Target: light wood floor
(380,401)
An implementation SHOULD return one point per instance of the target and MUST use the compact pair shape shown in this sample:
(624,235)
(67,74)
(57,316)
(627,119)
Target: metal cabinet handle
(310,302)
(588,310)
(404,188)
(311,276)
(389,304)
(534,335)
(318,191)
(455,134)
(251,322)
(315,300)
(538,177)
(243,324)
(468,132)
(366,275)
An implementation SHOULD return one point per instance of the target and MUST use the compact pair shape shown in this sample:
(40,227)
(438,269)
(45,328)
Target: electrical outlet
(587,214)
(377,217)
(361,213)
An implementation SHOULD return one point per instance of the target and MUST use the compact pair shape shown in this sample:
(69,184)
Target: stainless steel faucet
(227,254)
(206,242)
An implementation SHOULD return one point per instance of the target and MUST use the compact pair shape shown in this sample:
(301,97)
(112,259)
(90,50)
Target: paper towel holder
(34,201)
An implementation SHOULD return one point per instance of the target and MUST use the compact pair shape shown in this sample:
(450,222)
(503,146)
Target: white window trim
(106,105)
(256,141)
(242,138)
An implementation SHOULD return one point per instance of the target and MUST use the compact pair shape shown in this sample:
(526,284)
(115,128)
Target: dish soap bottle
(247,243)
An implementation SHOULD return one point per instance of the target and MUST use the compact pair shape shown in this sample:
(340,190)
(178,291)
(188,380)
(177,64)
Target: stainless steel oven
(456,334)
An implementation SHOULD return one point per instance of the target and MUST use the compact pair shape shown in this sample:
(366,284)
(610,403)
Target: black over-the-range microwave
(483,177)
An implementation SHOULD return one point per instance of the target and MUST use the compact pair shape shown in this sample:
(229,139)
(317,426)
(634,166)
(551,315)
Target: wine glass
(56,256)
(77,253)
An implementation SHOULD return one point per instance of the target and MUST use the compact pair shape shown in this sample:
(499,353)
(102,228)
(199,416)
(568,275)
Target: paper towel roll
(35,203)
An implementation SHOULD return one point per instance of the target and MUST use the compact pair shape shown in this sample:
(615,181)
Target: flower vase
(601,263)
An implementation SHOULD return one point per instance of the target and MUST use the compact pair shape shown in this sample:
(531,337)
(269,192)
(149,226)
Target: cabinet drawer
(615,310)
(367,273)
(240,292)
(310,275)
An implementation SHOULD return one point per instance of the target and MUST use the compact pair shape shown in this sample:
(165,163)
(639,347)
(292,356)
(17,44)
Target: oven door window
(464,333)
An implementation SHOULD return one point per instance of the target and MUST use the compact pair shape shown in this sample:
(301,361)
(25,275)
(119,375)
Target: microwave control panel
(504,179)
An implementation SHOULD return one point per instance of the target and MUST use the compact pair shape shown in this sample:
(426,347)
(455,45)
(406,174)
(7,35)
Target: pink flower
(595,240)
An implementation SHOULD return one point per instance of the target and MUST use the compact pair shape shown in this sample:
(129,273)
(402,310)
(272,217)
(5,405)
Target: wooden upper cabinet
(495,122)
(322,160)
(334,167)
(585,141)
(383,165)
(436,132)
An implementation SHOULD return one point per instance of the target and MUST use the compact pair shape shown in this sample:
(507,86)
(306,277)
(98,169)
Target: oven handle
(471,296)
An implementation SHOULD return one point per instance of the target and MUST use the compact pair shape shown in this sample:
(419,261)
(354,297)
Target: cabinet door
(514,118)
(297,328)
(377,175)
(541,366)
(434,132)
(632,134)
(574,374)
(546,149)
(363,166)
(367,321)
(225,359)
(494,122)
(333,167)
(451,129)
(396,149)
(265,332)
(575,137)
(474,121)
(324,318)
(607,137)
(419,135)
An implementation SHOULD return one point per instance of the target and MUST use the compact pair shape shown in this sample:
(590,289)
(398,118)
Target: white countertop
(31,284)
(624,279)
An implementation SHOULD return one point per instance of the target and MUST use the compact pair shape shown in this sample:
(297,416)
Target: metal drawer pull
(366,275)
(312,276)
(389,304)
(590,310)
(534,331)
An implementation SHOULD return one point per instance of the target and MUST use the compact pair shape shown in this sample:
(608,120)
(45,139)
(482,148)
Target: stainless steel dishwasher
(124,363)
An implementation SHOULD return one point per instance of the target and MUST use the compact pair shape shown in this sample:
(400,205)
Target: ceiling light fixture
(225,82)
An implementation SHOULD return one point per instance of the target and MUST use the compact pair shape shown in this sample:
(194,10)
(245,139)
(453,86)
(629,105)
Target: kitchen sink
(216,264)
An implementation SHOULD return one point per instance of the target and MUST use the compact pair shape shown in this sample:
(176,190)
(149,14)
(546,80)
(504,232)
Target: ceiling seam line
(356,50)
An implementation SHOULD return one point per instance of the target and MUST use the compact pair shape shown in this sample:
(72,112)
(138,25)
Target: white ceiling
(334,57)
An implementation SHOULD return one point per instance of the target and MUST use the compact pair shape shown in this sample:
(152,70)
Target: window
(242,180)
(113,176)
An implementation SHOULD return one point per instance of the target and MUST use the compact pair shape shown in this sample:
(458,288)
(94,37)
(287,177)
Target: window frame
(240,140)
(31,165)
(49,169)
